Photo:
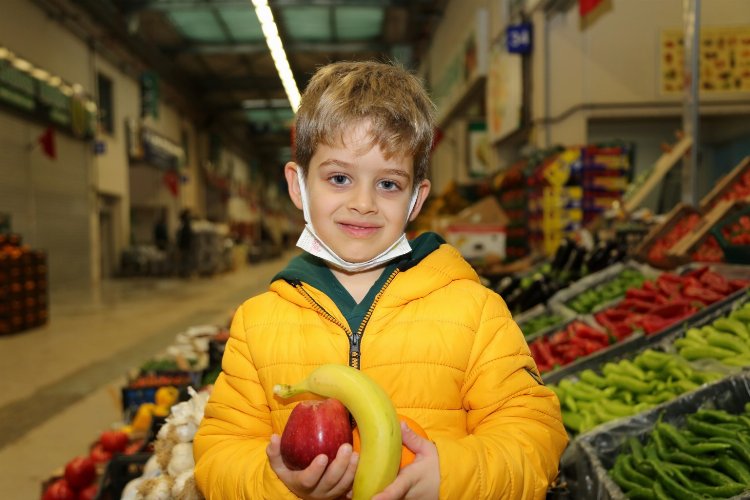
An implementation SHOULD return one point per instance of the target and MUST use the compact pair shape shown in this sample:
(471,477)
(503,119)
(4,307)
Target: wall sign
(519,38)
(47,100)
(724,60)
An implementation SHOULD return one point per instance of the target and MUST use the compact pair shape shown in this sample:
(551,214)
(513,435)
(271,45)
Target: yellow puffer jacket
(444,348)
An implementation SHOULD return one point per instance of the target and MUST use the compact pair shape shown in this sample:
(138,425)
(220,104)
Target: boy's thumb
(411,440)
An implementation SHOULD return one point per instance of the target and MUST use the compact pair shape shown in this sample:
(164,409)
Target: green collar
(314,271)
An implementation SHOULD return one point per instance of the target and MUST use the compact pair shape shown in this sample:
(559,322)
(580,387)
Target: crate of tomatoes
(733,236)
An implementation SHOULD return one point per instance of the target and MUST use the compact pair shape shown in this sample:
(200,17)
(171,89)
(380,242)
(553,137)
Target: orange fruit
(407,456)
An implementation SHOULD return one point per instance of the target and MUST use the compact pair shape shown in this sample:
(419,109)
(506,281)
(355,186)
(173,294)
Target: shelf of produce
(598,452)
(541,320)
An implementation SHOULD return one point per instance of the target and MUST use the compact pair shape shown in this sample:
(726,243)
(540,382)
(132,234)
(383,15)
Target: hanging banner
(504,93)
(149,94)
(723,59)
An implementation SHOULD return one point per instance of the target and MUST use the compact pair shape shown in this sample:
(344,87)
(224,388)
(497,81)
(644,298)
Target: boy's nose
(363,200)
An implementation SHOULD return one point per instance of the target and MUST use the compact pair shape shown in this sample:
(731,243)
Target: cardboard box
(478,231)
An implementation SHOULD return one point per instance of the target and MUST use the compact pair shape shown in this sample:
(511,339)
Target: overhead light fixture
(271,33)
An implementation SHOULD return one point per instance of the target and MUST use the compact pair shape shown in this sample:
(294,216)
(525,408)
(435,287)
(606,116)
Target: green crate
(733,254)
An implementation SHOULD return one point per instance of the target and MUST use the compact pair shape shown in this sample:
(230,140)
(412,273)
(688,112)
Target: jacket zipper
(355,339)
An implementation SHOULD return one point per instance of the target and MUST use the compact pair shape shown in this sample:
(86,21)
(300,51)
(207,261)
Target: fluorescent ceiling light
(271,32)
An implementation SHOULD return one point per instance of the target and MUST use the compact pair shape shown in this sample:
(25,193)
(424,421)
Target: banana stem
(287,391)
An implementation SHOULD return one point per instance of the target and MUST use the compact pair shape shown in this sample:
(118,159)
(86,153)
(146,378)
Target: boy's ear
(423,190)
(290,172)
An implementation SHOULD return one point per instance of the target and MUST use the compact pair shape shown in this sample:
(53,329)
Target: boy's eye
(338,179)
(389,185)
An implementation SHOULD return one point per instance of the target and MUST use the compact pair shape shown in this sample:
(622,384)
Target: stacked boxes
(514,201)
(23,286)
(604,175)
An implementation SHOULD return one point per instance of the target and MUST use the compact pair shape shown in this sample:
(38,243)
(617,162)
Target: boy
(412,315)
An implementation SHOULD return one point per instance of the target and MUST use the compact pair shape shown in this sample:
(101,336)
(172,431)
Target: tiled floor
(59,385)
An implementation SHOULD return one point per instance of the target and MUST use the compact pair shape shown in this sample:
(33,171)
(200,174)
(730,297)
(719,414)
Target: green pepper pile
(710,458)
(539,323)
(726,339)
(626,388)
(606,292)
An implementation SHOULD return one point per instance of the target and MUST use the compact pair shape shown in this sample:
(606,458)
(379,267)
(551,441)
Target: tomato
(59,490)
(80,472)
(89,493)
(99,454)
(114,441)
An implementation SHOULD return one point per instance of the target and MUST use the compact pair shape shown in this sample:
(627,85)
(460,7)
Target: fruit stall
(647,347)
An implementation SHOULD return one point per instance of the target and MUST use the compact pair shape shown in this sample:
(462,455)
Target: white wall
(615,61)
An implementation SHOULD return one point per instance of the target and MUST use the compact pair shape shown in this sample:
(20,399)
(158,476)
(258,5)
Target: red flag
(586,6)
(172,181)
(47,141)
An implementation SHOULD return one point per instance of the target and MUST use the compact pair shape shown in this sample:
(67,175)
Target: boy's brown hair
(392,100)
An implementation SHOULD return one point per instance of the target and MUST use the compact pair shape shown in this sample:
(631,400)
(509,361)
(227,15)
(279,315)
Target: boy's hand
(421,478)
(317,482)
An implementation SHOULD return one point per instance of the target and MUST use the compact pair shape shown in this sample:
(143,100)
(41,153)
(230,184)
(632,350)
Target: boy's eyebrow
(345,164)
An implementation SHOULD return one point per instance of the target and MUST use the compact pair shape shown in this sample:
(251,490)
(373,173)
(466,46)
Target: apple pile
(314,428)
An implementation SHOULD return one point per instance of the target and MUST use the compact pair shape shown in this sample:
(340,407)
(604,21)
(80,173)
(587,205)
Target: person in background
(411,314)
(161,233)
(185,237)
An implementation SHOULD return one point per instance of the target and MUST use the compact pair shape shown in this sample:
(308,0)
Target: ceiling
(215,49)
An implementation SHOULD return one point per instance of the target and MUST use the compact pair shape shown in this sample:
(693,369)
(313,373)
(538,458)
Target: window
(106,105)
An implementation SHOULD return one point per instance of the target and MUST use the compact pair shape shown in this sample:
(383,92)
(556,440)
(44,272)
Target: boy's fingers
(339,475)
(396,490)
(412,440)
(273,450)
(310,477)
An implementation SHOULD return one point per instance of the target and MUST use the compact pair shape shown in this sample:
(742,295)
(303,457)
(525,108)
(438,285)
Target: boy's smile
(358,199)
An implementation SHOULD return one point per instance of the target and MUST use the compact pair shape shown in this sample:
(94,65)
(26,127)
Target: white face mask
(311,242)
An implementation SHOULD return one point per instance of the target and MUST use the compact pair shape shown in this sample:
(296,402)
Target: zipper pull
(354,350)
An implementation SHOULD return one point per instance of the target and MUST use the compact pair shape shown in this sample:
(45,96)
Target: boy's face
(358,199)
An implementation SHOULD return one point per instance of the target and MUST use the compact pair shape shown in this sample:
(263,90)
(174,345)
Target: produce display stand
(733,186)
(632,201)
(639,342)
(684,251)
(541,315)
(119,471)
(599,281)
(596,452)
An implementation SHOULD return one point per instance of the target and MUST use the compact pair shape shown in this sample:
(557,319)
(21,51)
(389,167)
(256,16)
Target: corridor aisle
(59,384)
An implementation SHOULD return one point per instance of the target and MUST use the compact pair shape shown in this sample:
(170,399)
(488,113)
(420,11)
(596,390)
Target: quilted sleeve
(515,432)
(230,445)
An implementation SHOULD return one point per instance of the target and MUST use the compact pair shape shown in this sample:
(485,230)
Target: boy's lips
(358,230)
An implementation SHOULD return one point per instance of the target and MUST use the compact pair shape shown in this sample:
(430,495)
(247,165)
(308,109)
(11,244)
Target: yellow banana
(379,427)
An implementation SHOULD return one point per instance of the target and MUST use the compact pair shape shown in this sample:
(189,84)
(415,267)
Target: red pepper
(652,324)
(697,273)
(639,293)
(667,284)
(716,282)
(649,286)
(584,331)
(675,310)
(738,284)
(705,296)
(545,353)
(636,305)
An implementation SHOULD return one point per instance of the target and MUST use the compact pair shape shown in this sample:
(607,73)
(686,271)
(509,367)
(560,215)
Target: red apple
(314,428)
